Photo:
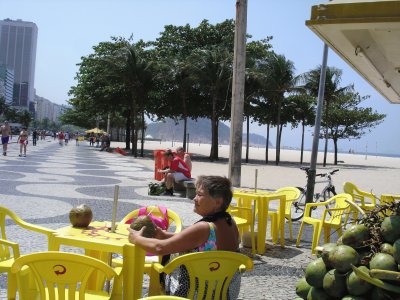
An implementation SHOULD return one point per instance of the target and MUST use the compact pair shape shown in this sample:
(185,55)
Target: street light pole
(314,153)
(239,63)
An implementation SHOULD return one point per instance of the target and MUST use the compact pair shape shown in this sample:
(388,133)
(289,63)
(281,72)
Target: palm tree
(212,71)
(280,80)
(303,107)
(132,66)
(332,91)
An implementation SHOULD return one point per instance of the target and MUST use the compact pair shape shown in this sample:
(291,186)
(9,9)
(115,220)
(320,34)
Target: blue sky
(69,28)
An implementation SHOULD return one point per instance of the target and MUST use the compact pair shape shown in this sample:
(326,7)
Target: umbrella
(95,130)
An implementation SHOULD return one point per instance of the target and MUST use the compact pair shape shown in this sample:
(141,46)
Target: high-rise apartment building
(18,40)
(6,84)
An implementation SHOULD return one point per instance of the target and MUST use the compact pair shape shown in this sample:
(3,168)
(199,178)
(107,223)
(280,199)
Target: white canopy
(366,34)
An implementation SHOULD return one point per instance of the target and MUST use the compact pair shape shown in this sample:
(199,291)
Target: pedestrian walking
(5,136)
(23,141)
(34,137)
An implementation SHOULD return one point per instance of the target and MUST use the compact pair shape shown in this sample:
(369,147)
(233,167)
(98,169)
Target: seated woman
(216,230)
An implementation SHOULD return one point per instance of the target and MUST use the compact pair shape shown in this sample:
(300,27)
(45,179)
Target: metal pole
(239,62)
(187,143)
(314,153)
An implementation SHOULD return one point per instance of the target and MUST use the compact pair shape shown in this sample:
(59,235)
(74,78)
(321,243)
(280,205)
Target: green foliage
(348,120)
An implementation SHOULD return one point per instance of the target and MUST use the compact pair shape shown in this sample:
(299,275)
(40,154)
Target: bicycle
(298,206)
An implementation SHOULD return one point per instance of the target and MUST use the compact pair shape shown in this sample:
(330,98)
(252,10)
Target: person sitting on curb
(177,171)
(180,152)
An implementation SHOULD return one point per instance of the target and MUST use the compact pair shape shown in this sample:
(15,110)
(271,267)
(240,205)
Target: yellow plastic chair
(206,269)
(389,198)
(57,275)
(244,218)
(366,200)
(292,194)
(9,251)
(173,217)
(6,256)
(173,221)
(163,297)
(327,221)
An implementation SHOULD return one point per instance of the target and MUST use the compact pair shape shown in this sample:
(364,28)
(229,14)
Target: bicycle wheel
(327,194)
(297,207)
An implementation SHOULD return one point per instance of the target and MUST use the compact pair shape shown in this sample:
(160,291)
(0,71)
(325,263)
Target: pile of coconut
(363,264)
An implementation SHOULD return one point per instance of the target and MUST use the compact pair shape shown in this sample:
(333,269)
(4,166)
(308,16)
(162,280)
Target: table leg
(262,206)
(133,269)
(282,205)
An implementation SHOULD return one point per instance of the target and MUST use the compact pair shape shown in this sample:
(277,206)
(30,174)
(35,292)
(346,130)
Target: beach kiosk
(366,34)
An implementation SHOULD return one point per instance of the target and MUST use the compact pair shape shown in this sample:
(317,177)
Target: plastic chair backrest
(58,275)
(340,207)
(359,195)
(173,218)
(5,212)
(291,193)
(210,269)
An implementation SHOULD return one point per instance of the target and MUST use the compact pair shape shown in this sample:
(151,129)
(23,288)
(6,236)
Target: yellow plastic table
(261,201)
(99,242)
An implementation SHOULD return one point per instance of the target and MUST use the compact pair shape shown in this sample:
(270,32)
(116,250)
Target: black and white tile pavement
(42,188)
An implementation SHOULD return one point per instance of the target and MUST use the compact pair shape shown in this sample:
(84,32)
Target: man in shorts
(5,136)
(177,171)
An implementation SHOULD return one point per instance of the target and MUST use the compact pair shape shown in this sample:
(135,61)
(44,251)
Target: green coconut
(81,216)
(317,294)
(142,221)
(356,235)
(390,229)
(387,248)
(342,257)
(324,254)
(396,251)
(379,294)
(315,272)
(334,284)
(355,285)
(302,288)
(383,261)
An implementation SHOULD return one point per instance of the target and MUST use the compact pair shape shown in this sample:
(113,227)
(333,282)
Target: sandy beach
(370,173)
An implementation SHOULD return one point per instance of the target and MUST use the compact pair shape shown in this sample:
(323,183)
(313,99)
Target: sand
(369,172)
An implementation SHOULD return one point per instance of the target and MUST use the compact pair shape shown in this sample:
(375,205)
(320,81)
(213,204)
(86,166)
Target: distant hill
(199,132)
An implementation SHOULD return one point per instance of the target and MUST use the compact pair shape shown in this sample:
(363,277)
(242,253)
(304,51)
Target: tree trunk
(326,131)
(336,150)
(184,133)
(133,126)
(128,131)
(184,108)
(278,143)
(247,138)
(214,132)
(267,146)
(326,146)
(302,142)
(143,135)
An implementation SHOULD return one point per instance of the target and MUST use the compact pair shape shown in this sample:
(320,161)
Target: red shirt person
(177,171)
